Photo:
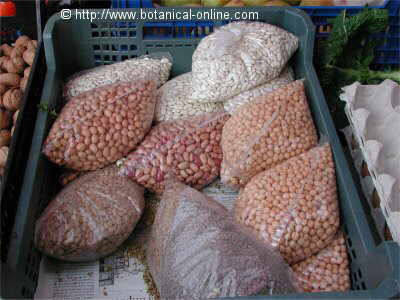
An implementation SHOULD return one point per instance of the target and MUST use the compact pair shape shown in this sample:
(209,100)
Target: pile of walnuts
(15,66)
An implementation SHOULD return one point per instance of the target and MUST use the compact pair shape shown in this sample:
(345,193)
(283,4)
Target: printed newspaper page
(118,277)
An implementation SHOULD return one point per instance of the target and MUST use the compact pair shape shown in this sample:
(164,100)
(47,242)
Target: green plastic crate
(74,45)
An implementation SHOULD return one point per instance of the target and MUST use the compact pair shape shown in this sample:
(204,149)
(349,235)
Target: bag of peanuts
(102,125)
(172,100)
(293,206)
(266,132)
(154,66)
(197,251)
(187,149)
(91,217)
(283,79)
(326,271)
(237,57)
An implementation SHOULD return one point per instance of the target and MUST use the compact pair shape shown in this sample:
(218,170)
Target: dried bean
(173,161)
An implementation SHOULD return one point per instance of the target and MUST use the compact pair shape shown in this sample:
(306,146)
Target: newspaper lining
(118,277)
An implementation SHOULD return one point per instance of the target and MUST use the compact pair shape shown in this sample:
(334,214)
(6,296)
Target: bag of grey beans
(156,67)
(187,149)
(237,57)
(102,125)
(198,251)
(293,206)
(326,271)
(173,104)
(283,79)
(91,217)
(265,132)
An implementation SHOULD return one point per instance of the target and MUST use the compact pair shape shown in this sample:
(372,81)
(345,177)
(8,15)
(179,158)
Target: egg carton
(374,116)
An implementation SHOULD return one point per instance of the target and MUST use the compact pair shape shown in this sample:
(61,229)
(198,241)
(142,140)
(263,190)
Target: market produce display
(223,259)
(265,132)
(102,125)
(155,68)
(121,133)
(294,205)
(172,102)
(91,217)
(326,271)
(15,65)
(188,149)
(231,60)
(239,3)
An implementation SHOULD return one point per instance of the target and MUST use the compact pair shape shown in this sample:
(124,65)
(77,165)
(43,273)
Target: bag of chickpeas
(102,125)
(187,149)
(198,251)
(265,132)
(293,206)
(326,271)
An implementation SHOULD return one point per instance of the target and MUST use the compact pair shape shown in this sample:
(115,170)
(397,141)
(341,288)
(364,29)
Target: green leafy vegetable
(46,108)
(346,56)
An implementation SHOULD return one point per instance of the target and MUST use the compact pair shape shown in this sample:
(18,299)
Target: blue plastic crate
(387,55)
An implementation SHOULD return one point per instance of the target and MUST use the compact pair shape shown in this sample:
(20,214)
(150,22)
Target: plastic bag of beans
(172,100)
(237,57)
(293,206)
(91,217)
(156,67)
(102,125)
(188,149)
(326,271)
(266,132)
(283,79)
(197,251)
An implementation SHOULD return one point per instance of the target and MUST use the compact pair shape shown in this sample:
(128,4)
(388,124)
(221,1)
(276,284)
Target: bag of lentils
(156,67)
(91,217)
(326,271)
(293,206)
(172,100)
(198,251)
(188,149)
(265,132)
(237,57)
(283,79)
(102,125)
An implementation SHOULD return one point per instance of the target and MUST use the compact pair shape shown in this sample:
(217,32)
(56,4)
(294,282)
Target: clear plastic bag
(102,125)
(326,271)
(188,149)
(172,102)
(91,217)
(155,66)
(198,251)
(237,57)
(266,132)
(293,206)
(283,79)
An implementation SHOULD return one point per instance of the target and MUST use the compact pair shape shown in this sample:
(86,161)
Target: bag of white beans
(197,251)
(102,125)
(187,149)
(155,67)
(293,206)
(91,217)
(237,57)
(283,79)
(173,104)
(326,271)
(265,132)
